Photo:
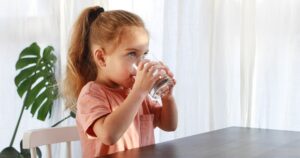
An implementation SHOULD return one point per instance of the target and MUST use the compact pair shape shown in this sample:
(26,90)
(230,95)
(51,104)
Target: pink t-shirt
(95,101)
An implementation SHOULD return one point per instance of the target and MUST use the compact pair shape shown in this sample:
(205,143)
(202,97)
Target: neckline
(123,90)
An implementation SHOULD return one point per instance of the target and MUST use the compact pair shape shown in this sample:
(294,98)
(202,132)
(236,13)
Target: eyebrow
(131,49)
(147,50)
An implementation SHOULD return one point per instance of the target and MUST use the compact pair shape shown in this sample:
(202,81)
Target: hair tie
(94,14)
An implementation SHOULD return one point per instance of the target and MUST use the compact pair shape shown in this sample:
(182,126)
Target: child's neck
(108,83)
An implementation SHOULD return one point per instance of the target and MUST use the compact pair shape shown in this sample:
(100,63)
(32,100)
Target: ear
(99,55)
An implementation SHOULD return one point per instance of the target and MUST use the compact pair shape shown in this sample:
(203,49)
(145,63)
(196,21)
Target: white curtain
(22,23)
(236,61)
(275,99)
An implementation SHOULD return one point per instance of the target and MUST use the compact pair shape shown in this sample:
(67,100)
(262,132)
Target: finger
(156,68)
(148,65)
(142,64)
(153,70)
(174,81)
(159,75)
(164,92)
(165,89)
(170,74)
(160,66)
(168,71)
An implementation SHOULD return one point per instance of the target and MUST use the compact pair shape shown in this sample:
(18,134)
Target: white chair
(48,136)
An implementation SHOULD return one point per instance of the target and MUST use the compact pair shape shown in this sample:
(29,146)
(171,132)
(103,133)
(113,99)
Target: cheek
(122,69)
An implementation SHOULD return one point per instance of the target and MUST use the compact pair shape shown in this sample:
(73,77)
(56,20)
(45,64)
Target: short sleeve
(90,107)
(155,108)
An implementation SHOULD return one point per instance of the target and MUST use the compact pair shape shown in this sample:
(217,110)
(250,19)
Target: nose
(133,70)
(138,61)
(135,65)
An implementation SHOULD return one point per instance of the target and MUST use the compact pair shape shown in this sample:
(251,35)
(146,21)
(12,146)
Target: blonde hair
(93,26)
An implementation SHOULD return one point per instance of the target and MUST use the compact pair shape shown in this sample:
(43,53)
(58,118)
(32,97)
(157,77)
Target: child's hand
(168,90)
(147,74)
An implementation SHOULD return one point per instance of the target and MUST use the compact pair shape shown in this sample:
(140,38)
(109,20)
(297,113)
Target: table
(232,142)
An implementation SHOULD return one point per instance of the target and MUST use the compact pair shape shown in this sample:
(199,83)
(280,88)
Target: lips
(132,78)
(130,81)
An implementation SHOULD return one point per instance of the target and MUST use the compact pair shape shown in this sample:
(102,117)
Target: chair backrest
(48,136)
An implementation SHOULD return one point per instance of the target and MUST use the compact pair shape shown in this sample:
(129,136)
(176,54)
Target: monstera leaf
(37,85)
(36,82)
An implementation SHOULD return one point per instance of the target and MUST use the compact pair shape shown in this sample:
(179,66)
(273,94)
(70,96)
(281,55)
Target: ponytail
(81,67)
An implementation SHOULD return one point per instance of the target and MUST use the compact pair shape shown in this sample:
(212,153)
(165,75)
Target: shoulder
(92,88)
(92,95)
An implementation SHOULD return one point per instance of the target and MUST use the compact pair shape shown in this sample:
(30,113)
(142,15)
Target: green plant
(37,86)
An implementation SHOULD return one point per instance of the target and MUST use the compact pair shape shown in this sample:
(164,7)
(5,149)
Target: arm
(111,127)
(168,117)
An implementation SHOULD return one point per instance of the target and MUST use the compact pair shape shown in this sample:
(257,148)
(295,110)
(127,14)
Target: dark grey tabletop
(233,142)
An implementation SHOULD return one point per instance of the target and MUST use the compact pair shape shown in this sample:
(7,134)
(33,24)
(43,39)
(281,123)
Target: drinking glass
(157,90)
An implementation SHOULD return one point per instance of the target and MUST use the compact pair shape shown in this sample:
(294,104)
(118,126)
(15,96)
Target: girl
(114,112)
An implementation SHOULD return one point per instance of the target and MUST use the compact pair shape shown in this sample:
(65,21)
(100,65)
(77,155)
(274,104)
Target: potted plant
(37,86)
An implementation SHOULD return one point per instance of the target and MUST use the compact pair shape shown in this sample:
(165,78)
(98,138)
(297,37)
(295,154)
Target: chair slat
(33,152)
(49,151)
(68,150)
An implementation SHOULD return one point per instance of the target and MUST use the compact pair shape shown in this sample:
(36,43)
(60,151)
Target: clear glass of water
(157,90)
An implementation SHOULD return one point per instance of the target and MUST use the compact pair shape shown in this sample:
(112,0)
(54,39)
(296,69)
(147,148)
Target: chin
(129,83)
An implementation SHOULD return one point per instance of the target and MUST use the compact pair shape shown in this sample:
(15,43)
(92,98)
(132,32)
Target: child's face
(132,49)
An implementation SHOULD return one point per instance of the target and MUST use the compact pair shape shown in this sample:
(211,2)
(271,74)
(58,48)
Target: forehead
(134,37)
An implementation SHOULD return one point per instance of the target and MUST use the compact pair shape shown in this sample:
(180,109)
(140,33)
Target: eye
(145,54)
(131,54)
